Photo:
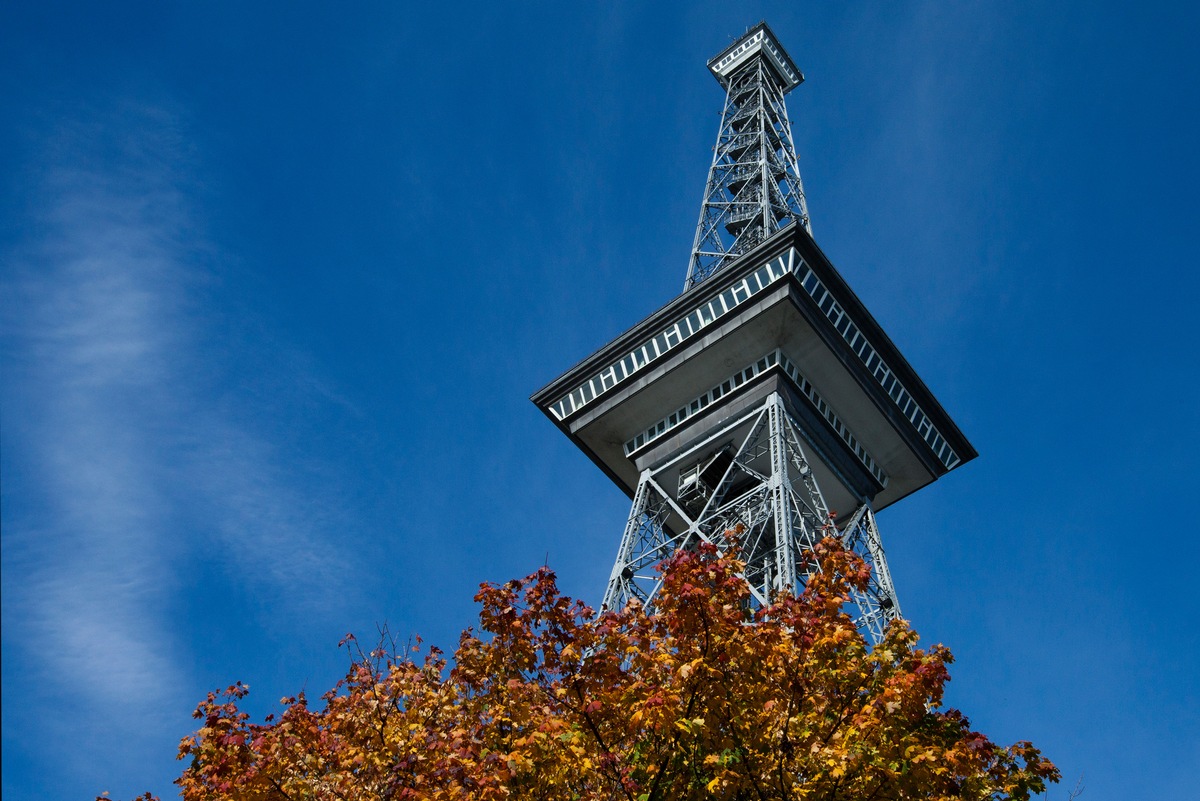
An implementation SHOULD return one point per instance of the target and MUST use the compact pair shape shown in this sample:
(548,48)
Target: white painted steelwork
(754,186)
(705,451)
(752,475)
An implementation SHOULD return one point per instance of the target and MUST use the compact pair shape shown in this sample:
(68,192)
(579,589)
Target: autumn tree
(708,697)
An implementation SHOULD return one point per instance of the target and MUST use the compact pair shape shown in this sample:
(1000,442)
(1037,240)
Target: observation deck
(779,318)
(758,40)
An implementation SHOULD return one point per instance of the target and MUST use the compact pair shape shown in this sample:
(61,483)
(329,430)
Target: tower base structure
(754,494)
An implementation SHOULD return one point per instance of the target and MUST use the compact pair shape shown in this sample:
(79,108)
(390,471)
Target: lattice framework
(761,484)
(754,186)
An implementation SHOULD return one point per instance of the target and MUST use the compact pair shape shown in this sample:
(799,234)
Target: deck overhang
(878,429)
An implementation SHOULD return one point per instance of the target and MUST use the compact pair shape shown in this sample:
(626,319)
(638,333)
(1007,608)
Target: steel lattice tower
(765,399)
(754,184)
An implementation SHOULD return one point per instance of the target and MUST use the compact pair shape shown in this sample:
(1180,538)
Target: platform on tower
(779,318)
(759,39)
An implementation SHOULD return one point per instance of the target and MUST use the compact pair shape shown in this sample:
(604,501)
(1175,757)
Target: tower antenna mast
(754,186)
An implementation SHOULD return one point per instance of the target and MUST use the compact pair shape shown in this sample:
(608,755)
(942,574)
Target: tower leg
(781,500)
(878,606)
(646,542)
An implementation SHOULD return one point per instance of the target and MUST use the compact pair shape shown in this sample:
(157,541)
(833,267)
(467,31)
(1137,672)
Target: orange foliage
(706,698)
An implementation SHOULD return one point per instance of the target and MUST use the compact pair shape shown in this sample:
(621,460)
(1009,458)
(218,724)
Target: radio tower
(765,399)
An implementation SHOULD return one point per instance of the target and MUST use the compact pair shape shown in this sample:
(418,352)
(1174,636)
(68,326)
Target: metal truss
(751,474)
(877,606)
(754,184)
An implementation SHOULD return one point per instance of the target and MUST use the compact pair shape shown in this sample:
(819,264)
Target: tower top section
(758,41)
(754,184)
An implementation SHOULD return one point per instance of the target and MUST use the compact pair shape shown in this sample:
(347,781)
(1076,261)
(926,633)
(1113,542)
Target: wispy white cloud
(115,452)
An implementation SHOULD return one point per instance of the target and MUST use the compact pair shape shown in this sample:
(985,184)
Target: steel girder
(754,186)
(752,476)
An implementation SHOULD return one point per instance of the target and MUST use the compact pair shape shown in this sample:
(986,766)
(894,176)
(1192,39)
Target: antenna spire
(754,186)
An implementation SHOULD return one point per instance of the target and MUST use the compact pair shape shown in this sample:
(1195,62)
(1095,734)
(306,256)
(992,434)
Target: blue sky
(277,280)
